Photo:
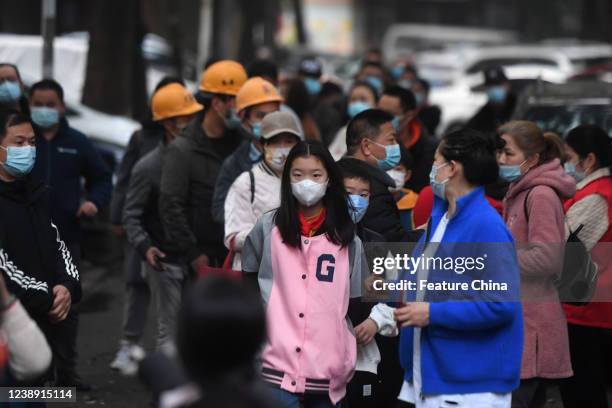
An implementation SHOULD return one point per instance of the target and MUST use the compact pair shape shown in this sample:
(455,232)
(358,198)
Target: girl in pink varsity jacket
(308,263)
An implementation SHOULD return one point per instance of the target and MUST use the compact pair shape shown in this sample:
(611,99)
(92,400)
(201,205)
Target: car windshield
(561,119)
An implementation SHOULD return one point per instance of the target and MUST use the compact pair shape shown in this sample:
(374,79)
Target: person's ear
(590,161)
(62,109)
(533,161)
(364,146)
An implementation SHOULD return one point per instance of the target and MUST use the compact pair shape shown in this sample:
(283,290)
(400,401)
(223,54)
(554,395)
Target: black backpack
(578,279)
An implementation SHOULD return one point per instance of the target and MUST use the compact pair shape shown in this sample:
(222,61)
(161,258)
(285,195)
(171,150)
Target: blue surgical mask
(570,168)
(397,71)
(392,157)
(510,173)
(45,117)
(358,206)
(420,98)
(396,123)
(376,83)
(437,187)
(10,91)
(313,86)
(256,130)
(405,83)
(232,121)
(496,94)
(355,108)
(19,160)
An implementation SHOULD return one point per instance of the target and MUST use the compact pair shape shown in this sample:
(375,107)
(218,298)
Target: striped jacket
(33,257)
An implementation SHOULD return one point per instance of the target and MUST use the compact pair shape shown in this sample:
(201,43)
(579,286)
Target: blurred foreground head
(220,329)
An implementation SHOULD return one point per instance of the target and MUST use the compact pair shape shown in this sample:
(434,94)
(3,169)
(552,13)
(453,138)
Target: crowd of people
(246,209)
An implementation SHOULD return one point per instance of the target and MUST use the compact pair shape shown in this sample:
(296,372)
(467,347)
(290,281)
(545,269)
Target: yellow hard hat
(223,77)
(173,100)
(256,91)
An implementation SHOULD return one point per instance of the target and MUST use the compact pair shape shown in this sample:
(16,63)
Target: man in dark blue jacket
(63,156)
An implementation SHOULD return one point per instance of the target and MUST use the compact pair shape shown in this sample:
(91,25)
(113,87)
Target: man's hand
(88,209)
(61,304)
(413,315)
(153,256)
(200,262)
(366,331)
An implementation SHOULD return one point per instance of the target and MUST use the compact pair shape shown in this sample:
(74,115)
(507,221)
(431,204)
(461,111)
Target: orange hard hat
(223,77)
(256,91)
(173,100)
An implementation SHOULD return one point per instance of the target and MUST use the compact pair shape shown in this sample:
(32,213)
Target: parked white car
(404,40)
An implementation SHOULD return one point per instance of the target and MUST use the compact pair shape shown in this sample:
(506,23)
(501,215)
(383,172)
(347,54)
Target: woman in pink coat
(533,211)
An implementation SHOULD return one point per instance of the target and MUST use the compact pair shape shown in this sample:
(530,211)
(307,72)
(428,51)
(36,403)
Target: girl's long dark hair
(338,224)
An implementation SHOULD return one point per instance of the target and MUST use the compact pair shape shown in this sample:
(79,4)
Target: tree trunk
(115,79)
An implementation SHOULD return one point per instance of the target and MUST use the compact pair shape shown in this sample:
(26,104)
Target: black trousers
(587,388)
(62,340)
(362,391)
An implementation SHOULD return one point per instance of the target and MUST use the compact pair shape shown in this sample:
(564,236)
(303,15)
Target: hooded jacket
(540,254)
(39,259)
(382,215)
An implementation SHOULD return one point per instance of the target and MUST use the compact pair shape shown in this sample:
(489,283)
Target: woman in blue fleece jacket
(462,348)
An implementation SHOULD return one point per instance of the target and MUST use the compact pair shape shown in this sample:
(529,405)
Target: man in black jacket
(190,170)
(142,222)
(137,291)
(371,141)
(501,104)
(41,272)
(64,156)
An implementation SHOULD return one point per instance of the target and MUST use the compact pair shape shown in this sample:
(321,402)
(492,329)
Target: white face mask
(276,157)
(308,192)
(398,177)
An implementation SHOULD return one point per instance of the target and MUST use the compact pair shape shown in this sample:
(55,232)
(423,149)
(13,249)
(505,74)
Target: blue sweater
(470,346)
(61,163)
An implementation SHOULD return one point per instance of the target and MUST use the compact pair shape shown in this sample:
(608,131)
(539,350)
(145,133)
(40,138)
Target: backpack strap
(252,178)
(525,209)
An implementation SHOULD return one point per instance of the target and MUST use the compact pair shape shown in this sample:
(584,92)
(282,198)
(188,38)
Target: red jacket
(597,313)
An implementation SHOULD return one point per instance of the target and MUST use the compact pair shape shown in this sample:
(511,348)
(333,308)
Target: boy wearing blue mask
(377,371)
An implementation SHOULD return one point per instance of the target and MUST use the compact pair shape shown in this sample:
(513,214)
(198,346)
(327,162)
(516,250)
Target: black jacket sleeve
(66,272)
(131,156)
(136,202)
(225,179)
(98,178)
(383,217)
(174,196)
(35,296)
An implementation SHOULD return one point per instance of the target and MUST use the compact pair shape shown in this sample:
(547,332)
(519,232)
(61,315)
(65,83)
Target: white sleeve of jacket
(239,216)
(29,352)
(589,212)
(382,315)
